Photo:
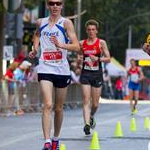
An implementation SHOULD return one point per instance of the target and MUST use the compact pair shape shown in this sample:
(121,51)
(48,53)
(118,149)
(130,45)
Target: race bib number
(91,65)
(52,57)
(134,78)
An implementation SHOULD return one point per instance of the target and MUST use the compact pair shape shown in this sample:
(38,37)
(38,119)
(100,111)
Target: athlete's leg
(136,98)
(60,97)
(47,92)
(96,92)
(131,98)
(10,101)
(86,91)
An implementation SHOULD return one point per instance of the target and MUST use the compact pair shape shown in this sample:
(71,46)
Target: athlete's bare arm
(74,44)
(80,43)
(36,40)
(141,75)
(80,52)
(105,52)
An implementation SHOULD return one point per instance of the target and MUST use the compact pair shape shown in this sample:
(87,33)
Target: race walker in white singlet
(51,56)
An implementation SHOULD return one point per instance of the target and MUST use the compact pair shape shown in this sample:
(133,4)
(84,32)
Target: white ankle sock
(55,138)
(47,141)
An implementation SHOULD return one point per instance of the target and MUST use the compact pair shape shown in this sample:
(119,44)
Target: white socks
(47,141)
(55,138)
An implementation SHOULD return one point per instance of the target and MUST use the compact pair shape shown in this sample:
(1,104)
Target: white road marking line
(35,134)
(149,145)
(19,138)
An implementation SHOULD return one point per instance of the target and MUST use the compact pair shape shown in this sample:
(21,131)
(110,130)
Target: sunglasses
(54,3)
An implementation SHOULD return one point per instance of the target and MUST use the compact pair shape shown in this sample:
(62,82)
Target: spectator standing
(119,87)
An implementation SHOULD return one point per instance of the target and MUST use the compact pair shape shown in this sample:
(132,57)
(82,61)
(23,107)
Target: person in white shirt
(56,36)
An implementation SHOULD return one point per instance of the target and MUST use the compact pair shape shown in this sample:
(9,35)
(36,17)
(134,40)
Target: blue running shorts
(134,86)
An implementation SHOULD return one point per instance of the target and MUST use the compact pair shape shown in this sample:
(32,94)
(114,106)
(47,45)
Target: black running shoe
(87,129)
(92,123)
(47,146)
(55,144)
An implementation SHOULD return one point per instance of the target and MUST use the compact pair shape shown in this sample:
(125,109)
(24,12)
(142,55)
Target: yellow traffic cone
(62,147)
(95,142)
(133,127)
(118,130)
(147,123)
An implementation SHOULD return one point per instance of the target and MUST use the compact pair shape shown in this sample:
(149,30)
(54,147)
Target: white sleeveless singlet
(53,60)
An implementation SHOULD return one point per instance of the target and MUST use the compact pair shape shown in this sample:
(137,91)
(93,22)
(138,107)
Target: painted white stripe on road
(35,134)
(19,138)
(14,140)
(113,101)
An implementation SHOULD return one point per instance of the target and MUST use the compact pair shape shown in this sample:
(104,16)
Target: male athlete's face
(54,6)
(133,63)
(91,31)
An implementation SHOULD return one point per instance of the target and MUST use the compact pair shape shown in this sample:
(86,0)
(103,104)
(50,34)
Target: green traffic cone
(147,123)
(95,142)
(62,147)
(133,127)
(118,130)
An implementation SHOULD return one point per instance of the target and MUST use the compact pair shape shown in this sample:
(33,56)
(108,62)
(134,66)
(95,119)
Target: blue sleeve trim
(42,27)
(63,32)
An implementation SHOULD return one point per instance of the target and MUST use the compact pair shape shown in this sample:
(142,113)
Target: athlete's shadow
(131,138)
(85,138)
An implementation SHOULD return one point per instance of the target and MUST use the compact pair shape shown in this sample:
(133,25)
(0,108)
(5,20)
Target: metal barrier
(29,97)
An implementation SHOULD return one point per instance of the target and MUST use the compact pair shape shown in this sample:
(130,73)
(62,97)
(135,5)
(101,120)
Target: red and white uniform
(88,50)
(53,60)
(134,74)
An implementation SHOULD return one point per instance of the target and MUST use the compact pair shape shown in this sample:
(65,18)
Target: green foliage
(70,7)
(114,17)
(31,4)
(1,7)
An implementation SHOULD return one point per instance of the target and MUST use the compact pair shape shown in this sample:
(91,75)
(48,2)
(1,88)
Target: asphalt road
(24,132)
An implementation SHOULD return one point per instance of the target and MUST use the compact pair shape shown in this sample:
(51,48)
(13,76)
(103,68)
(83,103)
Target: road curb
(114,101)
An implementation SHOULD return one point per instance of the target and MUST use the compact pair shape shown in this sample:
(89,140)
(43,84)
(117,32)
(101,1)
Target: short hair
(132,59)
(92,22)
